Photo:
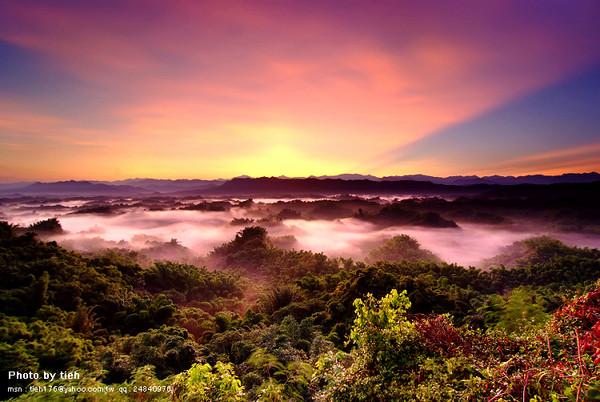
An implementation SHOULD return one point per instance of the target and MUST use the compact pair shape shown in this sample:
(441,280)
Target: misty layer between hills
(186,229)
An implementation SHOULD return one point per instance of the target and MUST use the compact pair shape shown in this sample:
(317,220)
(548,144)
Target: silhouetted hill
(470,180)
(349,176)
(129,187)
(79,188)
(271,186)
(342,184)
(168,186)
(5,187)
(503,180)
(277,187)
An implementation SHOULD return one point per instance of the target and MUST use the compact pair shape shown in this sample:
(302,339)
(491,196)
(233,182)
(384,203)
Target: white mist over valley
(132,224)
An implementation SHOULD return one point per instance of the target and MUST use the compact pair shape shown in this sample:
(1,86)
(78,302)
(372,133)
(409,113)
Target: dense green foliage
(537,250)
(187,283)
(253,252)
(401,248)
(274,324)
(200,383)
(428,358)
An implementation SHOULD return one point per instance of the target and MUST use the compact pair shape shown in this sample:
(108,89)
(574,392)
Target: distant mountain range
(244,185)
(130,187)
(72,187)
(167,186)
(469,180)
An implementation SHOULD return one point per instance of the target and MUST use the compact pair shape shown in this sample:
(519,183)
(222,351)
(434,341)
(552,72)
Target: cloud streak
(558,124)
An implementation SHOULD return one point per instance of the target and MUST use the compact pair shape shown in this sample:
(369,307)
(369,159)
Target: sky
(109,90)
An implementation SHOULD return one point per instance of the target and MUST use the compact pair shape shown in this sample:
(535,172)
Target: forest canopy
(275,324)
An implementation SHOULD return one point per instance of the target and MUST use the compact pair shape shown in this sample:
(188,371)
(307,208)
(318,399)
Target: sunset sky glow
(108,90)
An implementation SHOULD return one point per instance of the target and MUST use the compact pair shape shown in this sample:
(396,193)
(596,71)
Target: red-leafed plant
(440,336)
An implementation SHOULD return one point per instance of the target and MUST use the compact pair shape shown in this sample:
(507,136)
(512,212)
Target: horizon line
(359,176)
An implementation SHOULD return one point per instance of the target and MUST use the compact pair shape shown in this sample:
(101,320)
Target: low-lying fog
(201,231)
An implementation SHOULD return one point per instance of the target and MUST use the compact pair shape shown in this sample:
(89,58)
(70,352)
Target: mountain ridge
(343,183)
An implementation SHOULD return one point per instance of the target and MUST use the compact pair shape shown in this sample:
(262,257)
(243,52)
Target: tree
(205,383)
(386,351)
(401,248)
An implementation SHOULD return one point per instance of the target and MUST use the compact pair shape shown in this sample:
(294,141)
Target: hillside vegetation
(272,324)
